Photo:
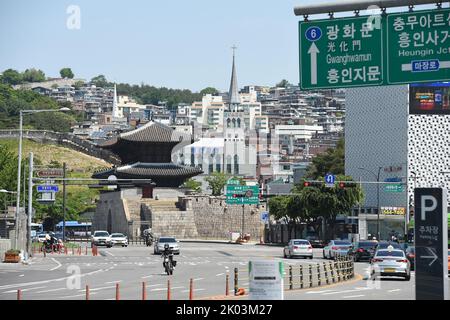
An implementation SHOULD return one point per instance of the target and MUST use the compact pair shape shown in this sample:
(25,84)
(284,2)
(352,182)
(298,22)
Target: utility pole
(30,203)
(19,168)
(243,219)
(64,202)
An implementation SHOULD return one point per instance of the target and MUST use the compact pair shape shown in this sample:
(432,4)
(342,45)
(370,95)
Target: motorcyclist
(148,234)
(168,252)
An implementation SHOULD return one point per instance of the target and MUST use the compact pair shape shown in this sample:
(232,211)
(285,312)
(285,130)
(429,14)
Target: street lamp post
(377,176)
(22,112)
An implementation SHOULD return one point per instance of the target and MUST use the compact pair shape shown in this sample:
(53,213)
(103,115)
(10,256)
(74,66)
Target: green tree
(100,81)
(11,77)
(282,84)
(327,203)
(33,75)
(216,182)
(78,84)
(332,161)
(192,185)
(209,90)
(66,73)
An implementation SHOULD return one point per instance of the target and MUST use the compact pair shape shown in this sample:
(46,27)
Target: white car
(100,238)
(117,239)
(390,262)
(41,237)
(173,244)
(298,248)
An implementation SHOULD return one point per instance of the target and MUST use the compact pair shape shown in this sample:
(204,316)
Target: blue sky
(177,43)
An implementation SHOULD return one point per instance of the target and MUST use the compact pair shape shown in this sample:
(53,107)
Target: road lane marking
(199,289)
(198,279)
(101,288)
(346,291)
(118,281)
(356,296)
(58,266)
(394,290)
(158,289)
(108,253)
(219,274)
(320,291)
(52,290)
(147,277)
(77,295)
(21,275)
(23,290)
(23,284)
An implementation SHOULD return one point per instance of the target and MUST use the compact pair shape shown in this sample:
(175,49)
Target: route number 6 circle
(313,33)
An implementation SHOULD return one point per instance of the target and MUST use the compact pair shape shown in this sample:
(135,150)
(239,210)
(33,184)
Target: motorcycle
(169,265)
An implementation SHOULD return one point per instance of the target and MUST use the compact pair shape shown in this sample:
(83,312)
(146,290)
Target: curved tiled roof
(151,132)
(149,170)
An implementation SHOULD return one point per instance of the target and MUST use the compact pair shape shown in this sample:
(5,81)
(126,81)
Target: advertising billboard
(431,98)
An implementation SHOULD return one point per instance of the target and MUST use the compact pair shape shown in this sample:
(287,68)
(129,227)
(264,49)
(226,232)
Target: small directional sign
(430,234)
(265,216)
(330,179)
(394,188)
(47,188)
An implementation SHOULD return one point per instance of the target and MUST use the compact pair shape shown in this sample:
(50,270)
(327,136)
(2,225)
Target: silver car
(298,248)
(173,244)
(390,262)
(336,248)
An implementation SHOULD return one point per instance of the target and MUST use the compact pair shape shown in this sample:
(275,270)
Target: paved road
(53,277)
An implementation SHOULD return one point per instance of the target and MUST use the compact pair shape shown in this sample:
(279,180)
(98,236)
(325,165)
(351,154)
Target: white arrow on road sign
(434,257)
(313,51)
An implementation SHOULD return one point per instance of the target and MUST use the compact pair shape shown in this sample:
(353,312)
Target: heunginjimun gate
(145,153)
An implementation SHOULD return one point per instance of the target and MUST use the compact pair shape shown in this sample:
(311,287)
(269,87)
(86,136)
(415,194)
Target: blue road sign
(330,178)
(47,188)
(265,216)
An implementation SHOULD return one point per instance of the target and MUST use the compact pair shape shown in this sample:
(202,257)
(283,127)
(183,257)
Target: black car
(364,250)
(410,255)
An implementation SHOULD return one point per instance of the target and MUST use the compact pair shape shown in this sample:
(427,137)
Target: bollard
(117,292)
(338,273)
(87,292)
(330,266)
(73,250)
(191,289)
(144,291)
(291,285)
(318,275)
(86,250)
(19,294)
(168,289)
(310,276)
(235,281)
(227,285)
(327,279)
(301,277)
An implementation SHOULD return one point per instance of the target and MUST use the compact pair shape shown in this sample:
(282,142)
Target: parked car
(117,239)
(336,248)
(100,238)
(298,248)
(411,255)
(391,263)
(161,241)
(364,250)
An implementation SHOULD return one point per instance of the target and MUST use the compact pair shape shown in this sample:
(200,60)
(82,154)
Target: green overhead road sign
(340,53)
(237,194)
(375,50)
(394,188)
(418,46)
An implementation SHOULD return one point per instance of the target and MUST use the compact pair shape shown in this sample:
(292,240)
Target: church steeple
(233,94)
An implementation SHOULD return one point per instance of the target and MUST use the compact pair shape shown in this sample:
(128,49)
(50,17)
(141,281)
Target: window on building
(228,122)
(236,164)
(239,123)
(234,123)
(211,168)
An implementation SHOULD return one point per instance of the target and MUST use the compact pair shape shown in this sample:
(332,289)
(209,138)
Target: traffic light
(312,184)
(345,184)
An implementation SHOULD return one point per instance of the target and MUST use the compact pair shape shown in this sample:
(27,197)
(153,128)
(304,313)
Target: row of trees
(12,101)
(13,77)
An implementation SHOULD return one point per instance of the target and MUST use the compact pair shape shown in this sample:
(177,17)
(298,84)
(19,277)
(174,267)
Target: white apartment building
(208,112)
(300,131)
(127,105)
